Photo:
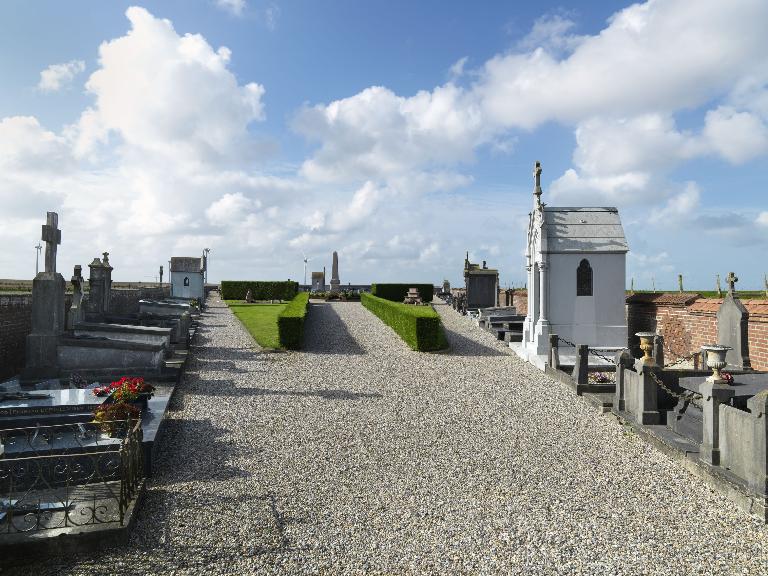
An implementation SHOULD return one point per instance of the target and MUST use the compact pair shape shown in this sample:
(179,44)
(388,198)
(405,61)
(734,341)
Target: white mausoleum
(576,263)
(187,278)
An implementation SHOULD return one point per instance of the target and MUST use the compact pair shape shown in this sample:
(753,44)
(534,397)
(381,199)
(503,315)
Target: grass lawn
(260,320)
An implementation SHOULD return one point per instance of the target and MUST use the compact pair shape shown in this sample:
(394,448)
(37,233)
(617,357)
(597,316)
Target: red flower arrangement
(727,376)
(126,389)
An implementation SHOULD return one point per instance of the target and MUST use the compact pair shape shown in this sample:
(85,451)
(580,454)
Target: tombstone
(481,285)
(48,316)
(446,287)
(412,297)
(732,323)
(318,281)
(100,283)
(249,296)
(76,312)
(576,264)
(335,282)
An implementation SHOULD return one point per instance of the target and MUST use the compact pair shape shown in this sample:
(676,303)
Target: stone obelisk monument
(47,309)
(335,283)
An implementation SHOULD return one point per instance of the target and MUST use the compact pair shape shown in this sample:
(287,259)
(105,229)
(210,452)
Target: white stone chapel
(576,263)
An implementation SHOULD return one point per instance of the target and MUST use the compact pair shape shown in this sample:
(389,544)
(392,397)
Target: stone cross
(731,279)
(52,238)
(537,182)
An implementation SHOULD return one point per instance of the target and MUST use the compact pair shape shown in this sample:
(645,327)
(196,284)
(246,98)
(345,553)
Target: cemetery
(124,395)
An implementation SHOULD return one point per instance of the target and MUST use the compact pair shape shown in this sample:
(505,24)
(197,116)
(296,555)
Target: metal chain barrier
(688,397)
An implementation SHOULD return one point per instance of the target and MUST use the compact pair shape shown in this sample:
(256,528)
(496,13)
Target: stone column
(623,361)
(554,351)
(543,294)
(529,319)
(714,394)
(647,400)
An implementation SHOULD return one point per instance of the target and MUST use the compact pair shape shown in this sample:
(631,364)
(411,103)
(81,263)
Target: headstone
(76,309)
(249,296)
(412,297)
(100,282)
(48,316)
(732,324)
(446,287)
(335,282)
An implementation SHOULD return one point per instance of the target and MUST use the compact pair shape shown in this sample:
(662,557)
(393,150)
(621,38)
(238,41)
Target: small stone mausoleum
(576,263)
(187,276)
(481,284)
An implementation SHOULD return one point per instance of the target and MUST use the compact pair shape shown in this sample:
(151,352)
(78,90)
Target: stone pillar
(554,352)
(48,314)
(713,394)
(623,360)
(100,282)
(647,400)
(529,319)
(758,478)
(581,368)
(335,282)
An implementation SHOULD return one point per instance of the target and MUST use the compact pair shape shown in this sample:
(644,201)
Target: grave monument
(575,259)
(47,309)
(335,282)
(76,312)
(732,324)
(481,285)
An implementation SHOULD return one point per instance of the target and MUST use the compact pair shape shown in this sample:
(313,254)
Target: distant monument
(318,281)
(335,282)
(100,282)
(47,309)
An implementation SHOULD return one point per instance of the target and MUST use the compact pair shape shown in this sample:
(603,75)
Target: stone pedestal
(47,326)
(713,394)
(758,406)
(647,401)
(623,360)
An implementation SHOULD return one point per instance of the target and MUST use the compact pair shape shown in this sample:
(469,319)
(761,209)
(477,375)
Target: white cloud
(235,7)
(169,95)
(679,208)
(230,208)
(737,136)
(271,16)
(762,219)
(552,32)
(457,68)
(58,76)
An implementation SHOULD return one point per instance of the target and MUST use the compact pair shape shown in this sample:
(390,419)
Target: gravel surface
(360,456)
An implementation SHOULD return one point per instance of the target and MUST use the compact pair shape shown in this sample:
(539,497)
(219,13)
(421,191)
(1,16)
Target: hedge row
(261,290)
(418,326)
(290,322)
(397,292)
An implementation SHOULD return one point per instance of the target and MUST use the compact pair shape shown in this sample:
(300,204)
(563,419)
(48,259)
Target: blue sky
(399,133)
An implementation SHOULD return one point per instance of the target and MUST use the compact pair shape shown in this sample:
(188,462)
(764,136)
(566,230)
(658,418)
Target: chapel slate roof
(584,230)
(186,264)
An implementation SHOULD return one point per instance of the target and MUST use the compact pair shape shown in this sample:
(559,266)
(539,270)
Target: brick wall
(688,321)
(514,297)
(15,324)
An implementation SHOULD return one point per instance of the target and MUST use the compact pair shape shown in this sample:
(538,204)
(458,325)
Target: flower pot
(716,360)
(646,345)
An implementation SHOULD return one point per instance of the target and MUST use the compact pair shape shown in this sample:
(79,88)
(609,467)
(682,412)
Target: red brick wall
(686,326)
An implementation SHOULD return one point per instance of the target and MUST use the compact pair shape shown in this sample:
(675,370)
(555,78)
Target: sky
(400,134)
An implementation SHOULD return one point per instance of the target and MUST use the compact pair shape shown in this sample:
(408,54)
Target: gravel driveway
(360,456)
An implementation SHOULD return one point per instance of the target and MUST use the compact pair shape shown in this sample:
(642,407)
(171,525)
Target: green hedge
(418,326)
(397,292)
(290,322)
(261,290)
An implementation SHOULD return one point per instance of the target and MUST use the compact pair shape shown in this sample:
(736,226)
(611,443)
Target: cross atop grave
(731,279)
(537,182)
(52,238)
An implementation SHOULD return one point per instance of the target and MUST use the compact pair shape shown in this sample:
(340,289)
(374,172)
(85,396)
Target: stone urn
(716,360)
(646,345)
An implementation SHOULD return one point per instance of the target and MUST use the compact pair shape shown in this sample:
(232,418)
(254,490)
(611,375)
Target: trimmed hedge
(290,322)
(261,290)
(397,292)
(418,326)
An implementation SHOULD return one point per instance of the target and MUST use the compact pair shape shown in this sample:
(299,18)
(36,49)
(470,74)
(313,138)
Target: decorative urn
(716,360)
(646,345)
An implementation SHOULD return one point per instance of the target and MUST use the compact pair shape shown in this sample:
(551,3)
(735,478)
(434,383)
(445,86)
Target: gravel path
(360,456)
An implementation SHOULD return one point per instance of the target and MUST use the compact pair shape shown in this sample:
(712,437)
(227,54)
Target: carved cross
(537,182)
(52,238)
(731,279)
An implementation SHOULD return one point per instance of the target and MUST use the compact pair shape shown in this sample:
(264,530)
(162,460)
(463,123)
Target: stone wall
(126,300)
(15,324)
(687,321)
(16,320)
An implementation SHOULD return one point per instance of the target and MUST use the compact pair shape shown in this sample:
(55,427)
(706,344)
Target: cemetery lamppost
(206,251)
(37,258)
